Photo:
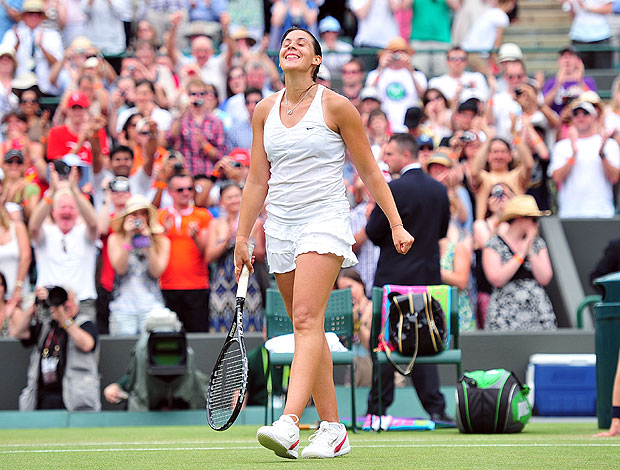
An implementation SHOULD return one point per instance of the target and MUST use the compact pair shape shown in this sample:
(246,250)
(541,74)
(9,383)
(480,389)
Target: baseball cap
(71,159)
(425,139)
(469,105)
(440,158)
(509,51)
(91,63)
(568,48)
(369,93)
(14,153)
(78,99)
(413,116)
(329,23)
(471,94)
(586,106)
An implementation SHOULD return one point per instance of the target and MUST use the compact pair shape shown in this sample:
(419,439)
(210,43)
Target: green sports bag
(491,402)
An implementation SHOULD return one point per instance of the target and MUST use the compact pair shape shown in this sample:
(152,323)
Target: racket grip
(242,285)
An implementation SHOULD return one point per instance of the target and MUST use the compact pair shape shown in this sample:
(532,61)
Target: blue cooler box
(562,384)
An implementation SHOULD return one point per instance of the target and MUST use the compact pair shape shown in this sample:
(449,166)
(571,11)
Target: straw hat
(522,206)
(440,158)
(136,203)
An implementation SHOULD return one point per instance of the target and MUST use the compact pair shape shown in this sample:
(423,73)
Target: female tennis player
(297,163)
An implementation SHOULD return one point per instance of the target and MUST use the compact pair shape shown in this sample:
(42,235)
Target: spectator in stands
(38,48)
(369,101)
(220,251)
(73,19)
(185,282)
(64,248)
(7,307)
(449,82)
(145,105)
(15,187)
(517,265)
(139,254)
(504,105)
(336,53)
(14,258)
(213,66)
(104,26)
(486,34)
(212,106)
(465,17)
(494,163)
(240,134)
(38,120)
(160,76)
(377,130)
(352,74)
(130,13)
(585,166)
(7,72)
(197,134)
(159,195)
(209,15)
(609,262)
(430,30)
(123,97)
(287,13)
(399,85)
(437,114)
(81,135)
(235,101)
(92,87)
(159,15)
(612,110)
(590,27)
(483,230)
(116,193)
(259,74)
(63,370)
(426,147)
(569,82)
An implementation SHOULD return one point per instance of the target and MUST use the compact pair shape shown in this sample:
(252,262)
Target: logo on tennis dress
(309,128)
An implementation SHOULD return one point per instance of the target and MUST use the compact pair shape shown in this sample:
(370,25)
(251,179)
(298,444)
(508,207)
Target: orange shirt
(187,268)
(138,158)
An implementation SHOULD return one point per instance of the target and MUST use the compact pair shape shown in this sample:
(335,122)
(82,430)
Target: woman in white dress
(297,161)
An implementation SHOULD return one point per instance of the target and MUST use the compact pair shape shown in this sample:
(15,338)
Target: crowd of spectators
(127,129)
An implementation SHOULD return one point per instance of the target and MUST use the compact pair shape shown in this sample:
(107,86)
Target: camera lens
(56,296)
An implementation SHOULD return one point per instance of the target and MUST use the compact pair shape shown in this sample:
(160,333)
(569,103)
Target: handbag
(416,326)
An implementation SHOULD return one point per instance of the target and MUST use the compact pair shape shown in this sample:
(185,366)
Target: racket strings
(227,382)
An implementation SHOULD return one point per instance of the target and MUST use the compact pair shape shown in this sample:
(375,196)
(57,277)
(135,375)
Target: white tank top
(9,262)
(307,161)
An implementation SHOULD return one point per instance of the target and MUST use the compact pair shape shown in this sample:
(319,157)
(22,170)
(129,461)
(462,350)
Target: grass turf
(548,446)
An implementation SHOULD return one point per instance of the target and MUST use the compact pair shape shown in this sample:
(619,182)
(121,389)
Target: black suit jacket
(609,263)
(425,210)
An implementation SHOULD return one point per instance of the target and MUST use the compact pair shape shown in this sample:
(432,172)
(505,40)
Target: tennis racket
(229,379)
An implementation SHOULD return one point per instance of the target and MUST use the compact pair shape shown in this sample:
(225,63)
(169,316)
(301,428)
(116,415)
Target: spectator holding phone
(139,253)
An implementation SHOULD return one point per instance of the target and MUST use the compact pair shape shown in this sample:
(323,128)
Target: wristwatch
(66,323)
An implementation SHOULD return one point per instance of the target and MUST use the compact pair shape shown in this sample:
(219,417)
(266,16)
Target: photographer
(198,134)
(63,372)
(400,86)
(139,254)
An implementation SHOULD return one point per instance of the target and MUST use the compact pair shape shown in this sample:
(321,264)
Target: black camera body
(56,296)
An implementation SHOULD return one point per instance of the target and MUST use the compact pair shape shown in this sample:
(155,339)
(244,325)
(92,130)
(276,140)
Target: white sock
(336,426)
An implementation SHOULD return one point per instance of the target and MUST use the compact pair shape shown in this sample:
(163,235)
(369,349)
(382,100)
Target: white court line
(227,448)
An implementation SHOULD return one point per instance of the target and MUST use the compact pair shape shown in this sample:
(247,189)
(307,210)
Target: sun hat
(23,82)
(509,52)
(440,158)
(398,44)
(33,6)
(329,24)
(136,203)
(523,205)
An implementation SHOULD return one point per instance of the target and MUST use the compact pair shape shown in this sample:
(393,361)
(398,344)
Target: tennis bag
(416,326)
(491,402)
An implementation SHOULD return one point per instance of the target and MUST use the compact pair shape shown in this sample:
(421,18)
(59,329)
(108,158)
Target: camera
(198,102)
(396,57)
(178,167)
(468,136)
(518,91)
(497,191)
(137,223)
(56,296)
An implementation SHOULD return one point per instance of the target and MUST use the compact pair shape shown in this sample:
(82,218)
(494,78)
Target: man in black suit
(425,210)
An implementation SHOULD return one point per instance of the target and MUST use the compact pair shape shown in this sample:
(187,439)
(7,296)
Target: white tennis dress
(307,206)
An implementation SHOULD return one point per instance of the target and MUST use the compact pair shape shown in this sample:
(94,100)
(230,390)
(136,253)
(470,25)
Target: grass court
(542,445)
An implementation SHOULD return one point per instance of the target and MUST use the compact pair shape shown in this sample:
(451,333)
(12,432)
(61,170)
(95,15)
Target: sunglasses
(457,59)
(188,188)
(13,161)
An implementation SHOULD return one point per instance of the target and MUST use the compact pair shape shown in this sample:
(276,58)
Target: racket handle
(242,285)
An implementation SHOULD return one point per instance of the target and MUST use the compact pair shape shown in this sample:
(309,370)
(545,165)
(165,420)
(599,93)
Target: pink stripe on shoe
(339,446)
(295,445)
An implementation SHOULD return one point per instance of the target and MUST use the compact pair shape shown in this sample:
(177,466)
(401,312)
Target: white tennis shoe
(282,436)
(328,441)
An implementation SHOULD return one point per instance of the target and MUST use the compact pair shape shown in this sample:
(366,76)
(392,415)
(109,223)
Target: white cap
(369,92)
(508,52)
(471,93)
